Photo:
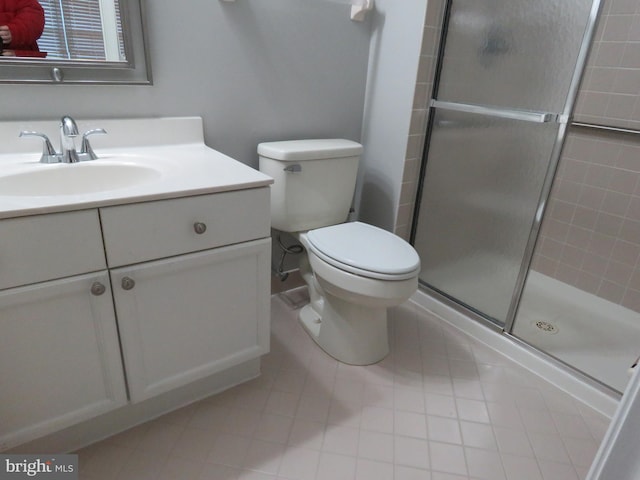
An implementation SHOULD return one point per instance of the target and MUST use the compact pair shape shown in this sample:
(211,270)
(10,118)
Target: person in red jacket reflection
(21,24)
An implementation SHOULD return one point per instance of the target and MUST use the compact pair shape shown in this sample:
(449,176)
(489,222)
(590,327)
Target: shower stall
(522,215)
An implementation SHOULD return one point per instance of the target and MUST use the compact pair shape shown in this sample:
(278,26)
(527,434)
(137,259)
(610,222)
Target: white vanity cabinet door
(187,317)
(59,356)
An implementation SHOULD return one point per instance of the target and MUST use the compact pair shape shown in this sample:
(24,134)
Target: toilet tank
(314,181)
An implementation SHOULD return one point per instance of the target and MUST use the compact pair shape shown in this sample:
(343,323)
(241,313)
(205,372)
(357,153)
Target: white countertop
(185,164)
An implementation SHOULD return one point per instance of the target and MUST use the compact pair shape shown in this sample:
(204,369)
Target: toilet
(354,271)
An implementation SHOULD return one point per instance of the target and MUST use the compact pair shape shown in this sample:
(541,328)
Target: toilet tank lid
(313,149)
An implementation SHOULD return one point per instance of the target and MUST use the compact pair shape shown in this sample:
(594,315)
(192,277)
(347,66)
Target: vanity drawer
(151,230)
(43,247)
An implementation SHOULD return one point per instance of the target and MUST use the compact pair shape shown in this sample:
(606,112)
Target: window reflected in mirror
(87,30)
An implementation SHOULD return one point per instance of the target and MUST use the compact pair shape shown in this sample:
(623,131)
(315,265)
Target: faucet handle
(49,154)
(86,146)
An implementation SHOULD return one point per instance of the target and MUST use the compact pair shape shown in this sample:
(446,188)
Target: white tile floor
(441,407)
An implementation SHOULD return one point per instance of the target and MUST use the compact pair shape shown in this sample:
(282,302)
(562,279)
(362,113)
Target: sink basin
(76,179)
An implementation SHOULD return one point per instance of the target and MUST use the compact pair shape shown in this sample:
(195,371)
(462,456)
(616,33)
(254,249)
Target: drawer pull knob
(200,227)
(128,283)
(98,289)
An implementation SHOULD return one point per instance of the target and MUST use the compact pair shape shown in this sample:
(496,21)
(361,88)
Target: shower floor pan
(598,337)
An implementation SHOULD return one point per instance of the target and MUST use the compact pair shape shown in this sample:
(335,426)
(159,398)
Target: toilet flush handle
(295,168)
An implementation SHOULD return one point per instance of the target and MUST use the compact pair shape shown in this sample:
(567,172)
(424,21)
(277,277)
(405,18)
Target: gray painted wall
(255,70)
(396,40)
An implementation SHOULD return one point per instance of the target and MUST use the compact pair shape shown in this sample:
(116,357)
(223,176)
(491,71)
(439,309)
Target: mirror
(91,42)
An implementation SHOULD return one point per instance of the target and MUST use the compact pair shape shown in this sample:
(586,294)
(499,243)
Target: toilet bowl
(351,288)
(354,271)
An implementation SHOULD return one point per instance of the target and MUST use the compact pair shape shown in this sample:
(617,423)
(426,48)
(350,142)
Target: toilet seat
(365,250)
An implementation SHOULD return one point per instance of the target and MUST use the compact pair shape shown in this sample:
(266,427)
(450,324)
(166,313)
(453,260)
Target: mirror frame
(134,71)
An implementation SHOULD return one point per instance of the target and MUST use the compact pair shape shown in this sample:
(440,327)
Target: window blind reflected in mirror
(88,30)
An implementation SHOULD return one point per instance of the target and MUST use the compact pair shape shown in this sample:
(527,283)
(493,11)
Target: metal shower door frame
(562,119)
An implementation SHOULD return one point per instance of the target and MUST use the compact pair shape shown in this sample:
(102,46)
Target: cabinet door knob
(200,227)
(128,283)
(98,289)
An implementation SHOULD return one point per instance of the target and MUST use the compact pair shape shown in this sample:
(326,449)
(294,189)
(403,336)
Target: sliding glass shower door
(507,76)
(480,193)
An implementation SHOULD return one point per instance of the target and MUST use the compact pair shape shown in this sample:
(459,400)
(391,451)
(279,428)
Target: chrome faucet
(68,131)
(68,152)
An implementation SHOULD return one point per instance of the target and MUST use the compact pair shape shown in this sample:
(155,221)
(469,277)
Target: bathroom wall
(255,71)
(393,67)
(610,91)
(260,70)
(419,116)
(396,41)
(590,236)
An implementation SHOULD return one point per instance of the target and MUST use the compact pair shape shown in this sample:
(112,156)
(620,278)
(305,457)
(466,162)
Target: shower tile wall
(609,93)
(590,236)
(417,130)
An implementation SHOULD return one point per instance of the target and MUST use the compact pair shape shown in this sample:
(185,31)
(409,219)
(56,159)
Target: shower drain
(546,327)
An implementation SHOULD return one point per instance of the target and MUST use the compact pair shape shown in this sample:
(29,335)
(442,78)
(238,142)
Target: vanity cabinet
(137,284)
(193,314)
(60,359)
(190,316)
(177,288)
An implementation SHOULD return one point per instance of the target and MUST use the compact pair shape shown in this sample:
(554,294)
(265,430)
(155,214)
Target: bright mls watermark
(51,467)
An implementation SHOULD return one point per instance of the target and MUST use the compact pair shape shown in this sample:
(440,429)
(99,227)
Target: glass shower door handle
(536,117)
